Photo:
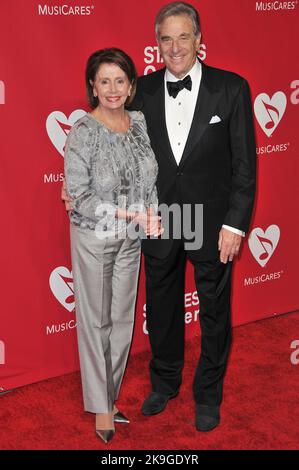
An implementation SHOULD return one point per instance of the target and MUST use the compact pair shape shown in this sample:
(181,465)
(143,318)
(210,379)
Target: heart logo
(263,244)
(58,126)
(61,284)
(269,111)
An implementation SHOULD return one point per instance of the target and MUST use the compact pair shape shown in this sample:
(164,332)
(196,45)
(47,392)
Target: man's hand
(66,198)
(150,223)
(228,244)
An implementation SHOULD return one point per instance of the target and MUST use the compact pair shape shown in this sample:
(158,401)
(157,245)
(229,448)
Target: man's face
(178,44)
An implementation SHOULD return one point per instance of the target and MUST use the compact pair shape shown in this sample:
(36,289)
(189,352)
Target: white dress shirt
(179,113)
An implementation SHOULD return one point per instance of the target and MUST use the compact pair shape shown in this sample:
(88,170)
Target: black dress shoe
(207,417)
(155,403)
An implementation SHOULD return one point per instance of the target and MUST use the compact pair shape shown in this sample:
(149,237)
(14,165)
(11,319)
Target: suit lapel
(155,105)
(207,100)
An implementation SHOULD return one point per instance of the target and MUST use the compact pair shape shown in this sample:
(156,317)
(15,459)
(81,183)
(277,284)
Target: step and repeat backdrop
(44,47)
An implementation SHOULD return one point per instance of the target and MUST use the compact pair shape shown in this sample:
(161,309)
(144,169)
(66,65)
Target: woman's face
(111,86)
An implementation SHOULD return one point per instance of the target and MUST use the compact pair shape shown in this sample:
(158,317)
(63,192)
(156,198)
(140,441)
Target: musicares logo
(62,287)
(269,111)
(58,126)
(65,10)
(263,244)
(275,5)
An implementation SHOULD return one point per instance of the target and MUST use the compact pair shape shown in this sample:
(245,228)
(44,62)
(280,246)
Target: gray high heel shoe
(105,434)
(120,418)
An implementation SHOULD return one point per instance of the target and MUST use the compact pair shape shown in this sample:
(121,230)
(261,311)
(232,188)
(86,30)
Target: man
(200,125)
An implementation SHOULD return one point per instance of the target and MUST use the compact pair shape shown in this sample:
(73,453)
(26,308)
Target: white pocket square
(215,119)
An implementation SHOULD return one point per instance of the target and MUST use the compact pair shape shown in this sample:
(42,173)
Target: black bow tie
(175,87)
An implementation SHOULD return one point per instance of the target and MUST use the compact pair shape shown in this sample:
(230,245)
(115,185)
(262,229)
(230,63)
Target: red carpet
(260,407)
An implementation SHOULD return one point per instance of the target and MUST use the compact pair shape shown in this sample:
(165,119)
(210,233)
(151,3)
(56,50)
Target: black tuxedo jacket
(217,168)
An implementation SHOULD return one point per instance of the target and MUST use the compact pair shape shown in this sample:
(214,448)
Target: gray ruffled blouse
(105,170)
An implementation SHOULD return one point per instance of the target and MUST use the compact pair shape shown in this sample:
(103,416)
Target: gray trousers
(105,275)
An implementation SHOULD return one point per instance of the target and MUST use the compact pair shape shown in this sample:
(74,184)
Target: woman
(110,172)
